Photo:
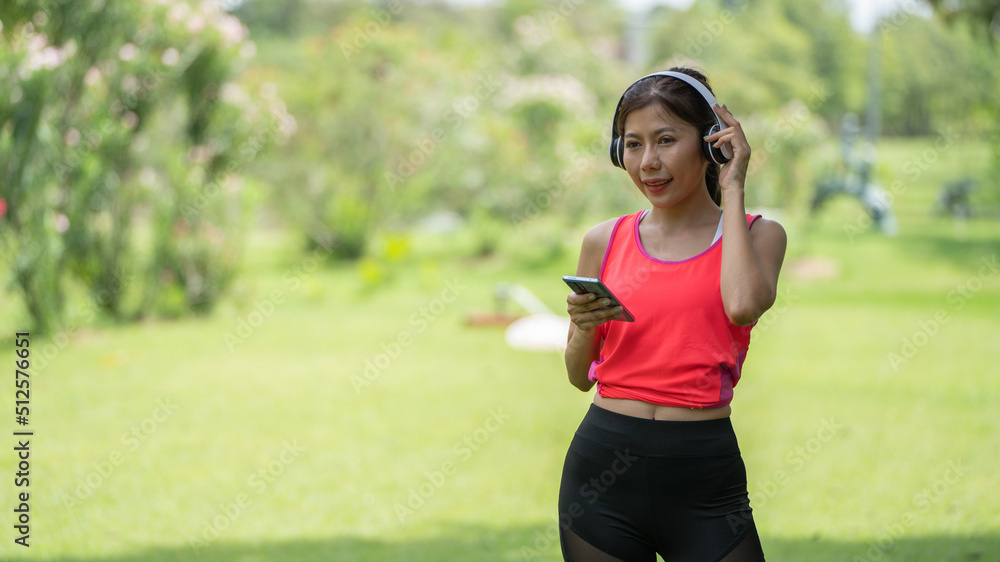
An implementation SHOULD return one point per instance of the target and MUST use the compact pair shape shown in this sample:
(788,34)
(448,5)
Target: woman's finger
(730,136)
(597,317)
(576,298)
(585,303)
(725,115)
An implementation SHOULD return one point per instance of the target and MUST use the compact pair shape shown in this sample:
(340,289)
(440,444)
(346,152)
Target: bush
(120,116)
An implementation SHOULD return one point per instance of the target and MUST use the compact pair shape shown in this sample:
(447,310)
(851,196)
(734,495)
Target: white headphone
(717,155)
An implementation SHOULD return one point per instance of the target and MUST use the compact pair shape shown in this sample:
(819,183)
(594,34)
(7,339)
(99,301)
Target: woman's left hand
(733,173)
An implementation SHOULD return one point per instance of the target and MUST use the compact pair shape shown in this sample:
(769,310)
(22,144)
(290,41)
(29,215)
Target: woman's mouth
(656,185)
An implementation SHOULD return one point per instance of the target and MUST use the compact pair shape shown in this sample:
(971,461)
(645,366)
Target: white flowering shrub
(122,137)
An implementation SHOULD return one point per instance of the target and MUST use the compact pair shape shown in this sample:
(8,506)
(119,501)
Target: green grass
(850,455)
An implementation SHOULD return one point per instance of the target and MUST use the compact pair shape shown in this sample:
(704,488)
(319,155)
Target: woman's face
(663,155)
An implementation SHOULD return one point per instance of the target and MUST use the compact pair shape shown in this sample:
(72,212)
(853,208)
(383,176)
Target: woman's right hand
(587,312)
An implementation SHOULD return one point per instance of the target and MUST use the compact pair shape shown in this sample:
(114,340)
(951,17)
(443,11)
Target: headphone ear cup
(711,153)
(617,152)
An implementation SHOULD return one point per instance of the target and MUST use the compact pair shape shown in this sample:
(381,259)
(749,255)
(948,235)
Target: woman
(655,466)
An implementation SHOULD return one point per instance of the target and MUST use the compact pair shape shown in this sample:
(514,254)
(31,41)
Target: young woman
(655,467)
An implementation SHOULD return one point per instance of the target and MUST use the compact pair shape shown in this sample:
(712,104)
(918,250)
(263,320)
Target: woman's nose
(650,159)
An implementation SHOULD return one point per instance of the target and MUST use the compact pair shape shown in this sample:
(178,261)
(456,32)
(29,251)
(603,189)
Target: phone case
(584,285)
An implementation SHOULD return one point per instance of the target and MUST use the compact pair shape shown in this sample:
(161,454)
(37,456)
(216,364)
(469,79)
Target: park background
(248,241)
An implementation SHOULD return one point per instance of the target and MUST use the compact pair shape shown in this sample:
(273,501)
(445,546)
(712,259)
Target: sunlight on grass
(342,421)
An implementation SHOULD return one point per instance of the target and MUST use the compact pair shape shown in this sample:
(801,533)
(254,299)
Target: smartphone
(584,285)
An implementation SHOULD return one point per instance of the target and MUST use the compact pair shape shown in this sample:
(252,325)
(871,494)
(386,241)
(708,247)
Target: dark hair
(681,100)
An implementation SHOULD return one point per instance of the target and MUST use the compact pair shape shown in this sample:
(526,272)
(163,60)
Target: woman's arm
(751,257)
(751,261)
(584,340)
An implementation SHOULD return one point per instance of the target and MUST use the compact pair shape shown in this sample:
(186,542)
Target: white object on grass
(538,332)
(541,330)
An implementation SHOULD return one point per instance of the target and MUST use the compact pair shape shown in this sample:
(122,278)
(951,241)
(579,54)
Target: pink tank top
(682,350)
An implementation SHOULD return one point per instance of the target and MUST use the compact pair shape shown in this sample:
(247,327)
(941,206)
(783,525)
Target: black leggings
(634,487)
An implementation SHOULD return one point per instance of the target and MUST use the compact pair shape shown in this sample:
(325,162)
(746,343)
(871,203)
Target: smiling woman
(697,278)
(671,111)
(672,159)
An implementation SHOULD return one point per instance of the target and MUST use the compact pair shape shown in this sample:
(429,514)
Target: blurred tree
(783,160)
(782,84)
(490,110)
(915,100)
(416,110)
(985,14)
(809,52)
(92,85)
(376,119)
(836,53)
(296,18)
(284,18)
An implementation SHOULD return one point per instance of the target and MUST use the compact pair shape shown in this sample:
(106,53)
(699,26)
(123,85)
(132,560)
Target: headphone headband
(718,156)
(705,92)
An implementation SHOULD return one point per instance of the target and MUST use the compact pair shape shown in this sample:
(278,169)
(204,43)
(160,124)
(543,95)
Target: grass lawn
(347,413)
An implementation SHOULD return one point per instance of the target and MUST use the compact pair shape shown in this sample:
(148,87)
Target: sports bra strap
(718,231)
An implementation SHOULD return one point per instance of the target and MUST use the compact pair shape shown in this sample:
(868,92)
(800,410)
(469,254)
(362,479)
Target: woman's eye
(666,140)
(631,144)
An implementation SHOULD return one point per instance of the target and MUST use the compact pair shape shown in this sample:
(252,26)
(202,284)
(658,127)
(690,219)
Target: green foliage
(127,128)
(406,121)
(121,116)
(917,100)
(808,51)
(373,106)
(982,14)
(500,112)
(373,447)
(789,156)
